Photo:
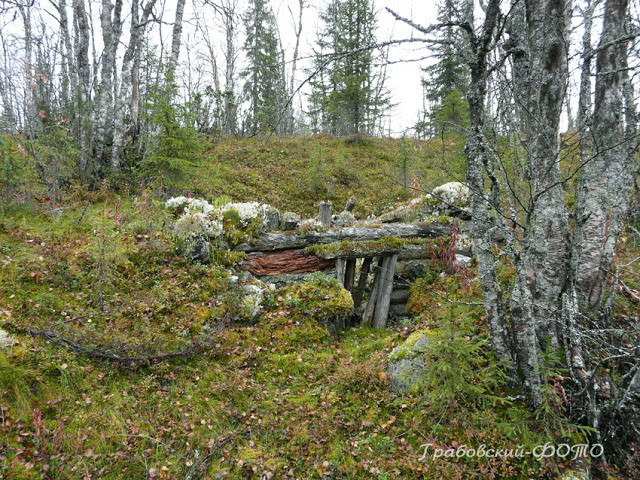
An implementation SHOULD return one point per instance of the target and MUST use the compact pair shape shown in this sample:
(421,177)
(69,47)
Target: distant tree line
(110,78)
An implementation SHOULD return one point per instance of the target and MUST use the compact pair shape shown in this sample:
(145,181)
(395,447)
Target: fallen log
(294,240)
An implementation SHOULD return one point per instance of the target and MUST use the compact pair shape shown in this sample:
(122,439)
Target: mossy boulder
(407,362)
(320,297)
(444,202)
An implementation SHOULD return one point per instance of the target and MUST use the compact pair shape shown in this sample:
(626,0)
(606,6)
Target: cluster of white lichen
(247,211)
(198,217)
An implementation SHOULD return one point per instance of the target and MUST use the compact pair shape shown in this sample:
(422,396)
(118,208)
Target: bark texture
(608,176)
(287,261)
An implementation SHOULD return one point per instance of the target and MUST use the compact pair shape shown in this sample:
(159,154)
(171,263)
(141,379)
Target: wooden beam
(350,274)
(362,282)
(340,270)
(371,302)
(290,240)
(384,291)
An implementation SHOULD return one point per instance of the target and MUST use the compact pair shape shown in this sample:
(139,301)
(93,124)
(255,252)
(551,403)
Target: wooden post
(273,220)
(371,303)
(384,291)
(340,270)
(362,282)
(324,214)
(350,274)
(352,202)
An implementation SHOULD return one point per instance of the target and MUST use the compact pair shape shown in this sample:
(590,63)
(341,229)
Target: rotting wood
(340,270)
(350,274)
(384,291)
(371,302)
(362,282)
(351,203)
(287,261)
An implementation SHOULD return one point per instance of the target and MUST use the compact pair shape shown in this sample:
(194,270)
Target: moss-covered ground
(276,398)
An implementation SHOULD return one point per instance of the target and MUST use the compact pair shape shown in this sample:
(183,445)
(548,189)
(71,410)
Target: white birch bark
(111,29)
(176,36)
(82,71)
(541,273)
(122,102)
(608,175)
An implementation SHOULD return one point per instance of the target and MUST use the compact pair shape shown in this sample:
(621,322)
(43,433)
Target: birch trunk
(31,117)
(477,159)
(111,28)
(82,93)
(176,36)
(541,272)
(128,71)
(608,176)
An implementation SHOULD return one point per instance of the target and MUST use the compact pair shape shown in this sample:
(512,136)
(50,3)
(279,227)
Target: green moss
(320,298)
(406,348)
(441,219)
(365,248)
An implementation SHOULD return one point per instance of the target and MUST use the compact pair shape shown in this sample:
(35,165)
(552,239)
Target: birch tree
(129,79)
(111,30)
(561,267)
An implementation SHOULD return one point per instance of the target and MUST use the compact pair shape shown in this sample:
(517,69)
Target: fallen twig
(103,354)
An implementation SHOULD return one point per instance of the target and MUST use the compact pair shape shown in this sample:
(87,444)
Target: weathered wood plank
(324,214)
(384,291)
(350,274)
(340,270)
(369,308)
(362,282)
(290,240)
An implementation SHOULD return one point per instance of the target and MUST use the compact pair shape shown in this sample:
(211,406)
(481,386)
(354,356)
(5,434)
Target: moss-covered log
(292,240)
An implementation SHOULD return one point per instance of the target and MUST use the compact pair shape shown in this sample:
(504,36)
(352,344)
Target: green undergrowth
(279,397)
(293,173)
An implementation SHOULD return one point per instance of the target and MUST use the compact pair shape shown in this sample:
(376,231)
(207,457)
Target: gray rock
(290,221)
(232,279)
(462,259)
(245,276)
(197,247)
(413,269)
(343,219)
(407,363)
(252,289)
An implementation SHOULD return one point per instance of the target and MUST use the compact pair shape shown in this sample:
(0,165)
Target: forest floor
(278,397)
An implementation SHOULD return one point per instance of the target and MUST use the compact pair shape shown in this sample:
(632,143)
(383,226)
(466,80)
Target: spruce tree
(446,82)
(265,85)
(348,95)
